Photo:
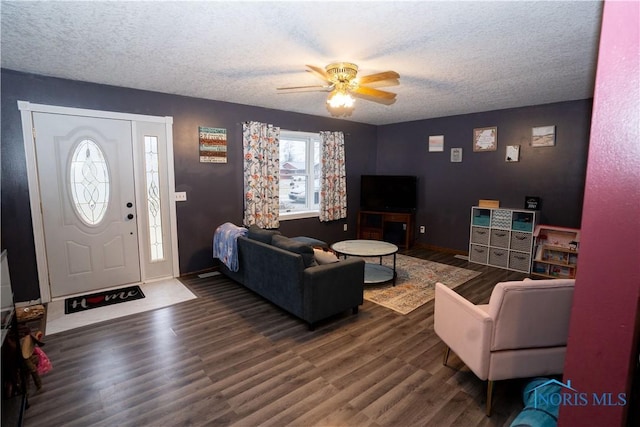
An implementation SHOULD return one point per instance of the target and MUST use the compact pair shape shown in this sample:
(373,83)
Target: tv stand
(392,227)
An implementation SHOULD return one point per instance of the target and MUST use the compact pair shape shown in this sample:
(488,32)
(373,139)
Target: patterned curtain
(333,182)
(261,145)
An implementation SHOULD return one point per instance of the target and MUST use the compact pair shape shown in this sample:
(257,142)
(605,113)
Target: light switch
(181,196)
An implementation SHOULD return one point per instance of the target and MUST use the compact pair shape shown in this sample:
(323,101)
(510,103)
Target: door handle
(129,205)
(130,216)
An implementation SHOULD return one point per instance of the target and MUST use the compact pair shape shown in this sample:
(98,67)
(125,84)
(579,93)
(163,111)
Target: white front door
(86,179)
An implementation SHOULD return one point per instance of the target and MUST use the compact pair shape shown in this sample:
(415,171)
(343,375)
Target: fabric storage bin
(521,241)
(480,235)
(481,220)
(522,221)
(481,217)
(500,238)
(519,261)
(498,257)
(523,226)
(501,219)
(479,254)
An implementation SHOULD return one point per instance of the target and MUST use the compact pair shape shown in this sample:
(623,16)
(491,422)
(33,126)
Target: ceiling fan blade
(384,83)
(302,87)
(318,72)
(376,100)
(376,93)
(386,75)
(381,83)
(301,91)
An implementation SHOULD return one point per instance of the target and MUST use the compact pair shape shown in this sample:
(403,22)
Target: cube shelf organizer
(502,237)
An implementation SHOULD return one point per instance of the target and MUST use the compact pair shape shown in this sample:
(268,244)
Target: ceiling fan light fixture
(341,72)
(342,81)
(340,99)
(340,111)
(340,102)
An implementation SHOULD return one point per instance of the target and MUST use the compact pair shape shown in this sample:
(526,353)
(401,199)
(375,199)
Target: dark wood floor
(231,358)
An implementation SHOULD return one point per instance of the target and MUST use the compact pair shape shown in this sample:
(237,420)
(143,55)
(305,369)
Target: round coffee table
(373,273)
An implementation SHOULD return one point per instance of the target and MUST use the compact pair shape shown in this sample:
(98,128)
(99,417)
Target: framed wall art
(436,143)
(543,136)
(512,154)
(213,144)
(532,203)
(456,155)
(485,139)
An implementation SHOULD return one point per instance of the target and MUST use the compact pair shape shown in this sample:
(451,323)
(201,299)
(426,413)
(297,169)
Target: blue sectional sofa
(284,271)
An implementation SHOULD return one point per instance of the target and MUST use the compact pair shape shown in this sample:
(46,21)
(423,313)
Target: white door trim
(26,109)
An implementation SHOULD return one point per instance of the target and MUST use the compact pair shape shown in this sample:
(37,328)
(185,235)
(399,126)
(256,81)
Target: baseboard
(441,249)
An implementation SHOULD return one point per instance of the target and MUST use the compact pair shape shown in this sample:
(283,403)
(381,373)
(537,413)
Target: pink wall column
(604,329)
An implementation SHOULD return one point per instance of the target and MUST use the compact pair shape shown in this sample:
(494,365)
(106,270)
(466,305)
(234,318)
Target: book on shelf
(560,271)
(556,256)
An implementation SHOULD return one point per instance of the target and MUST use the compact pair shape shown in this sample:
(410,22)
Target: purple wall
(448,190)
(214,192)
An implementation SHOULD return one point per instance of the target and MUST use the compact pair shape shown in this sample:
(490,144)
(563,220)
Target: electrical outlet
(181,196)
(345,227)
(422,229)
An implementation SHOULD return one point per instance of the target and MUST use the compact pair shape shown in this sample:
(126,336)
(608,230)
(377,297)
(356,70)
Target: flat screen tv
(390,193)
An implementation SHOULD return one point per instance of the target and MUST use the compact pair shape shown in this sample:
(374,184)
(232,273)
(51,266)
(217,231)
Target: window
(89,180)
(154,213)
(299,174)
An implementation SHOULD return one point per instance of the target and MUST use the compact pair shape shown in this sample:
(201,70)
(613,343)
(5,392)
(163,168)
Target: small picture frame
(512,153)
(485,139)
(532,203)
(436,143)
(543,136)
(456,155)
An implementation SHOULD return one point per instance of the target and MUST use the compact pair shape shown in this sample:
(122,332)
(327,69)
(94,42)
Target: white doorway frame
(26,109)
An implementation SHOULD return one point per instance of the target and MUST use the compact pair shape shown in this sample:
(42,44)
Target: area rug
(101,299)
(415,283)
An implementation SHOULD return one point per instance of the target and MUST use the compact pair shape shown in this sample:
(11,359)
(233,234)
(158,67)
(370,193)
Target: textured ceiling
(452,57)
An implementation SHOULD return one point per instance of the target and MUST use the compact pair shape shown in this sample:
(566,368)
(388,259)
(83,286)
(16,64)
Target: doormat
(101,299)
(415,283)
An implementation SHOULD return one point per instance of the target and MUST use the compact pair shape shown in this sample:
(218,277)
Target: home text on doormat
(101,299)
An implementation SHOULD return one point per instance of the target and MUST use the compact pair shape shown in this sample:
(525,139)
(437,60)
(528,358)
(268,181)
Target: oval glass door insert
(89,179)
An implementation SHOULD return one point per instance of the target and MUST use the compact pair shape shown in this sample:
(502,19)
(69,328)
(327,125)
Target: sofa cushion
(261,235)
(287,244)
(314,243)
(324,256)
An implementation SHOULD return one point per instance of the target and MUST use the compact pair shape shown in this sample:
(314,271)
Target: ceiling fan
(342,82)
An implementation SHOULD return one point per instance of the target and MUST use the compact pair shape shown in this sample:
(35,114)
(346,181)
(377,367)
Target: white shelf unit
(502,237)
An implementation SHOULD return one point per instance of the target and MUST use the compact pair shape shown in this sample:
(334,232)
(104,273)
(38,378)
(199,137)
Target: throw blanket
(225,245)
(540,410)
